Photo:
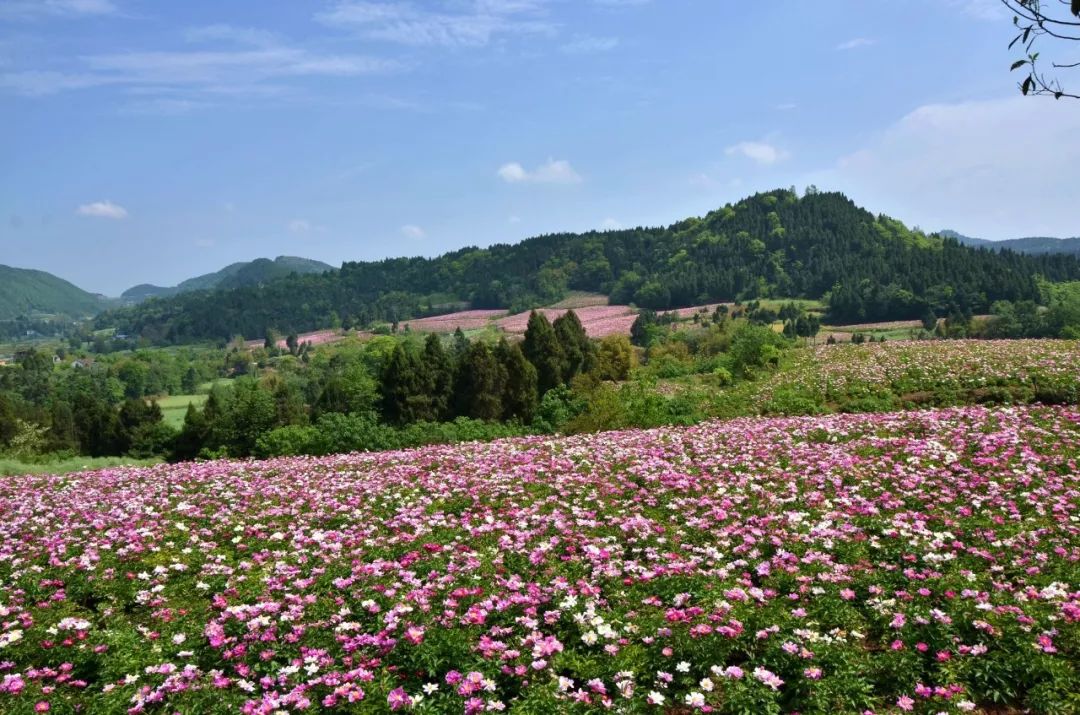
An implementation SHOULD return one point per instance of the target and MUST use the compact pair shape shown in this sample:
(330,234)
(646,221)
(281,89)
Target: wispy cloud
(610,224)
(761,152)
(555,171)
(413,231)
(103,209)
(39,9)
(856,43)
(584,45)
(475,24)
(254,69)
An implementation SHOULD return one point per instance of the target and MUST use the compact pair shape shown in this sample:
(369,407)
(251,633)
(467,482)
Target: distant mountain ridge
(1034,245)
(235,275)
(24,291)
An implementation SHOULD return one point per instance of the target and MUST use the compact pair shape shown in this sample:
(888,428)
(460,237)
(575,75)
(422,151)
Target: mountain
(235,275)
(28,292)
(1034,245)
(821,246)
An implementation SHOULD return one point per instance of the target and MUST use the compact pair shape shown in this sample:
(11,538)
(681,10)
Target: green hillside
(235,275)
(820,246)
(29,292)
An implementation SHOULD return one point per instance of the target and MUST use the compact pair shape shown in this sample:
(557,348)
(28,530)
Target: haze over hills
(774,244)
(245,273)
(27,292)
(1034,245)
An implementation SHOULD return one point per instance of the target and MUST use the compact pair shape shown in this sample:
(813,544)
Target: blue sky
(150,141)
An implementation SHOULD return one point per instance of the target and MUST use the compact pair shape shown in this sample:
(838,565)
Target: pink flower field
(921,562)
(466,320)
(598,320)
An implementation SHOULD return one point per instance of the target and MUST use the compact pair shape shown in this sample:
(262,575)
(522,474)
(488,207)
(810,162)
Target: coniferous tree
(439,370)
(577,350)
(481,381)
(404,385)
(542,349)
(520,396)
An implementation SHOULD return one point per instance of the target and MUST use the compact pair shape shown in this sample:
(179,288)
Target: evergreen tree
(461,344)
(192,437)
(577,350)
(404,388)
(520,396)
(481,381)
(440,375)
(542,349)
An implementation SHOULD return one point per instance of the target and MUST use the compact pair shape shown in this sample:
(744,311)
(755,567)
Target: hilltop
(235,275)
(819,246)
(26,292)
(1035,245)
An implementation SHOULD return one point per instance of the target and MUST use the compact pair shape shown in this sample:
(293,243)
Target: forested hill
(1031,244)
(25,292)
(773,244)
(235,275)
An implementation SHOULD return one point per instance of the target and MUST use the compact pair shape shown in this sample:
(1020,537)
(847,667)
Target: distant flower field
(448,323)
(992,370)
(913,562)
(598,320)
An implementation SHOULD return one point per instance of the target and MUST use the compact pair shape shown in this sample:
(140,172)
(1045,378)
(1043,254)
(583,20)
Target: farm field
(598,320)
(877,376)
(909,562)
(174,407)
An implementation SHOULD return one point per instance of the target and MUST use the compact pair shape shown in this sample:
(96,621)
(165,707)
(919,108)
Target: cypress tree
(481,380)
(577,350)
(541,348)
(440,376)
(404,388)
(520,394)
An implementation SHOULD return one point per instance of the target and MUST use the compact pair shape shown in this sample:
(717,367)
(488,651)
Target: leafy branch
(1034,21)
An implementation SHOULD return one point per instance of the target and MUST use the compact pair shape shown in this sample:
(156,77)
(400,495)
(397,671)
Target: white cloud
(997,168)
(300,226)
(555,171)
(856,43)
(475,24)
(761,152)
(412,231)
(103,209)
(513,219)
(33,9)
(611,224)
(786,107)
(586,45)
(253,70)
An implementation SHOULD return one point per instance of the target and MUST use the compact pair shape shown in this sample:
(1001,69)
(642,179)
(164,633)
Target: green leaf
(1026,86)
(1017,65)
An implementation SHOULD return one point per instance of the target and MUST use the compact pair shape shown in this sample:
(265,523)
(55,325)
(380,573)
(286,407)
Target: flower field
(598,320)
(938,372)
(922,562)
(448,323)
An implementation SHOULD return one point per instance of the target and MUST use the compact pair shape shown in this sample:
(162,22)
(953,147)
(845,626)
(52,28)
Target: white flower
(695,700)
(706,685)
(655,698)
(683,667)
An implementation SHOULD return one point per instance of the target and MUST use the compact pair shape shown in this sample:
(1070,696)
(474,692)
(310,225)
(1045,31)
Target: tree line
(777,244)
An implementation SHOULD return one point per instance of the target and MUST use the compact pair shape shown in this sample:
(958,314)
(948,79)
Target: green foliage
(772,244)
(615,358)
(25,292)
(542,349)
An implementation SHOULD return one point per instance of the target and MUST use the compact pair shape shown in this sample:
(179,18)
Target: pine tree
(480,383)
(541,348)
(405,397)
(520,396)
